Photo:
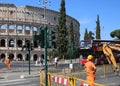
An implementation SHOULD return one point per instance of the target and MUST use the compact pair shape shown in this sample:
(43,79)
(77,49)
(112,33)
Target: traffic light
(41,40)
(40,36)
(51,38)
(28,45)
(35,37)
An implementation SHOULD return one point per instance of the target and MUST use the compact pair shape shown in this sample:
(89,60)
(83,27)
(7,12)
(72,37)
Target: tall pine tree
(62,31)
(98,28)
(86,34)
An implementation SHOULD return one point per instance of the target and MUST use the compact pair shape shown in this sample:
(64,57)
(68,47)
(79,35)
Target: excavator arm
(107,50)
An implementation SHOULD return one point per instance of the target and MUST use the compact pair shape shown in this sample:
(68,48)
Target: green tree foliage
(86,34)
(71,34)
(98,28)
(115,33)
(71,43)
(62,31)
(90,35)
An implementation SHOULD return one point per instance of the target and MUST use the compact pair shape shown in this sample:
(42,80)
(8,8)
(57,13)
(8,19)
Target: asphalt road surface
(110,80)
(21,82)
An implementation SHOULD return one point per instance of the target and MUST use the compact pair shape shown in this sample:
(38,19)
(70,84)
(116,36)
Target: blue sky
(85,11)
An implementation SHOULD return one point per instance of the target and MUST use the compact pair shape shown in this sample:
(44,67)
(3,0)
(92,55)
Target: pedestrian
(56,61)
(41,61)
(8,62)
(90,70)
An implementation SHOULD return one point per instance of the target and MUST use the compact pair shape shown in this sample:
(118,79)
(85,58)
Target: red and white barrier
(83,84)
(59,80)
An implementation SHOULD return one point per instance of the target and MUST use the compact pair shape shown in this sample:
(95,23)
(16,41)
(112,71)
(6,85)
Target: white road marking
(13,82)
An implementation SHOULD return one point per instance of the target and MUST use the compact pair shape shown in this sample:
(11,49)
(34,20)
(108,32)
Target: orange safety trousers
(91,80)
(8,63)
(8,66)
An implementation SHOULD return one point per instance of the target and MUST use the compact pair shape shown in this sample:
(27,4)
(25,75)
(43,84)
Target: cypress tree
(86,34)
(62,31)
(98,28)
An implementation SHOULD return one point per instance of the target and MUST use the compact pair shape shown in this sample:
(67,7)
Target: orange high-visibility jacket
(90,68)
(7,61)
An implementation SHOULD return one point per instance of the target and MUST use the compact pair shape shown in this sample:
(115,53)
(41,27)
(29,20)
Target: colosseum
(18,24)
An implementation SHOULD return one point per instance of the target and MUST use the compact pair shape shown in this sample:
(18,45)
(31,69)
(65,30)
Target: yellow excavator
(107,50)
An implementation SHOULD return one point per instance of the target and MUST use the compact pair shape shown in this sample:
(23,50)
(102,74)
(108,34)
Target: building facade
(18,24)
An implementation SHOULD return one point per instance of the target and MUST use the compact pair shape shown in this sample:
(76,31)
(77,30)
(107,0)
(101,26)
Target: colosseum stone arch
(18,24)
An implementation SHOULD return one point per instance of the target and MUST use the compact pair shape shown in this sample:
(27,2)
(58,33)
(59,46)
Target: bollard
(72,81)
(49,80)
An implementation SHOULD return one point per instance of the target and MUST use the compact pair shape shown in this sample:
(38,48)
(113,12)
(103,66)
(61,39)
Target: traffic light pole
(28,48)
(45,54)
(29,59)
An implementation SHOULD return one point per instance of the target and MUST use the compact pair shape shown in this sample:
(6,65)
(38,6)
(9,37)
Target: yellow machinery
(107,50)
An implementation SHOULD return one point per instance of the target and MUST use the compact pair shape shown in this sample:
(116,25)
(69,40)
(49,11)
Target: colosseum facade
(18,24)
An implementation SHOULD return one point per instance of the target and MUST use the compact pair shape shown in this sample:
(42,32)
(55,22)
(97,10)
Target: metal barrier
(61,80)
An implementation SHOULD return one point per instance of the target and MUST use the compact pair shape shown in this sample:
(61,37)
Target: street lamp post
(45,42)
(45,54)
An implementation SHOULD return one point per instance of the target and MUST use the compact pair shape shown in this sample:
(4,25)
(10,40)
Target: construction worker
(90,70)
(8,62)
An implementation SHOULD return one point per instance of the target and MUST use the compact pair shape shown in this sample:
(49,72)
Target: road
(110,80)
(21,82)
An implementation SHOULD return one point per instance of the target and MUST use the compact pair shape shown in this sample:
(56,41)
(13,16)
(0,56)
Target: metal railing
(61,80)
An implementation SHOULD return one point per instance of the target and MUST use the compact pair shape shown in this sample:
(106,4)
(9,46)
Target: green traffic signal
(41,37)
(51,38)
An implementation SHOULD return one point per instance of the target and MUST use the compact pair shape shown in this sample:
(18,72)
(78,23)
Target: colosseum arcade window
(11,56)
(19,57)
(19,43)
(11,27)
(27,28)
(19,27)
(42,15)
(2,43)
(11,43)
(27,14)
(35,57)
(2,56)
(34,28)
(3,27)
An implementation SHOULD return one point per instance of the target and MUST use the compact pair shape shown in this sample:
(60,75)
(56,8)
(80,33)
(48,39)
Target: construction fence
(69,79)
(61,80)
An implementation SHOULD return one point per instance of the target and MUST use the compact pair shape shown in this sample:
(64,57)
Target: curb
(29,76)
